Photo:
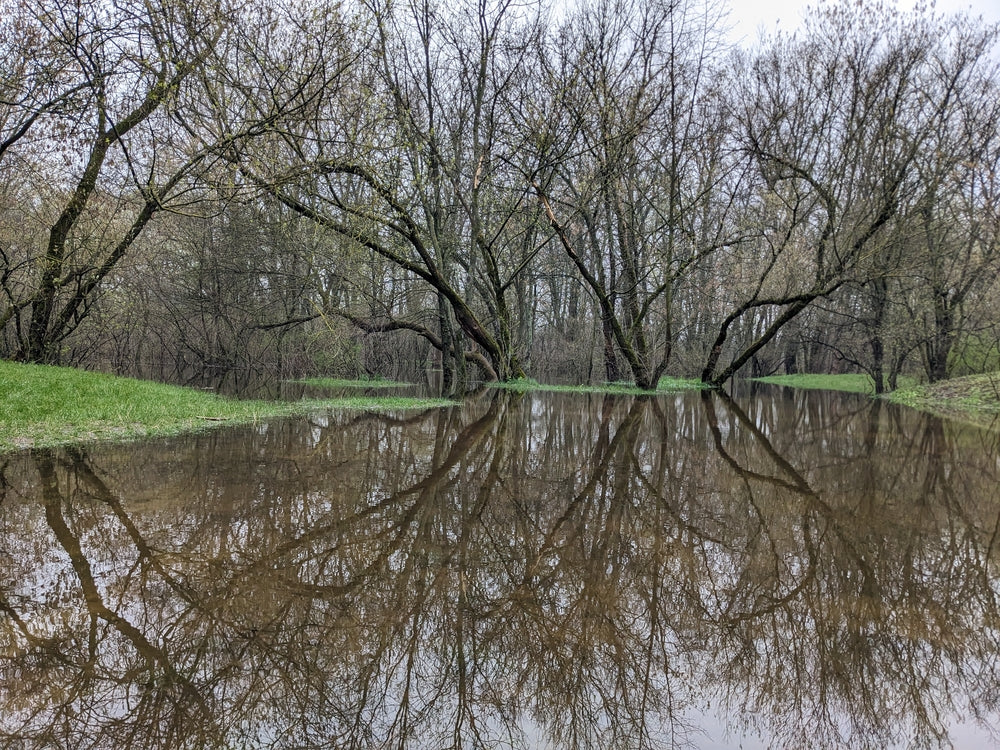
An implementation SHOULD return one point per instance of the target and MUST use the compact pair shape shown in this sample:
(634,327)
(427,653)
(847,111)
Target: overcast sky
(750,15)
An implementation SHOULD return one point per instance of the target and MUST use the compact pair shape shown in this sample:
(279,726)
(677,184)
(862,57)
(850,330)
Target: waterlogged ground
(786,569)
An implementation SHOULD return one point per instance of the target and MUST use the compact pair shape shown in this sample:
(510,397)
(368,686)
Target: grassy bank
(974,398)
(666,385)
(851,383)
(45,406)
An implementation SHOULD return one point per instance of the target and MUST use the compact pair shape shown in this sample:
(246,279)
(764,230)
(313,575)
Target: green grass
(851,383)
(973,398)
(666,385)
(44,406)
(348,383)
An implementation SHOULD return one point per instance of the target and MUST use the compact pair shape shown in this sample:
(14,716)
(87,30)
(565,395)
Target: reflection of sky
(718,735)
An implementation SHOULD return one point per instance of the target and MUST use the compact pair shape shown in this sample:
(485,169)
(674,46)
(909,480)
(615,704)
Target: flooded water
(782,569)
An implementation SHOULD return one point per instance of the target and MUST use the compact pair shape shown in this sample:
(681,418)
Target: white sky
(748,16)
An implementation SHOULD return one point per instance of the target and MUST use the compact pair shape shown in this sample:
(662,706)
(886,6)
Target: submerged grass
(666,385)
(349,383)
(43,406)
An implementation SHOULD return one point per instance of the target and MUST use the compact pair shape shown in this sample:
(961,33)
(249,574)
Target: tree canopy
(606,190)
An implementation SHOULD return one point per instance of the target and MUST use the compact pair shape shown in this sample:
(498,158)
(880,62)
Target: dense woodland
(488,189)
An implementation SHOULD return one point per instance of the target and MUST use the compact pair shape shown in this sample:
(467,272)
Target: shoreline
(974,399)
(43,406)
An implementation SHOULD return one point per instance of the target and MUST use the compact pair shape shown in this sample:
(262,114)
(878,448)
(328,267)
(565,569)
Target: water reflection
(575,571)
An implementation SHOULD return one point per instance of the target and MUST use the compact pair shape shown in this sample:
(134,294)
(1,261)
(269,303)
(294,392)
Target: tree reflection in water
(587,572)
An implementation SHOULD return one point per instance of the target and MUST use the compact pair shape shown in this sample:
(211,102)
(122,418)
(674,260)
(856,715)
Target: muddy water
(777,570)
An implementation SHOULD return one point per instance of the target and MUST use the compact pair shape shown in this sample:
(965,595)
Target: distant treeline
(487,189)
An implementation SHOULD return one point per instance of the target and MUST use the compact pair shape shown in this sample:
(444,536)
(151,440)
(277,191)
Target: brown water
(780,570)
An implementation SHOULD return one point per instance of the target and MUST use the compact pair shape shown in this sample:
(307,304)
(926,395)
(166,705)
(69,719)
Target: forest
(458,192)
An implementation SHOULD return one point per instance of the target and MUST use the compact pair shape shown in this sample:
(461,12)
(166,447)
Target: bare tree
(956,248)
(838,123)
(642,195)
(424,180)
(91,119)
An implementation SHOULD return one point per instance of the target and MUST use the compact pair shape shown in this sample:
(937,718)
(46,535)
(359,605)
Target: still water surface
(782,569)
